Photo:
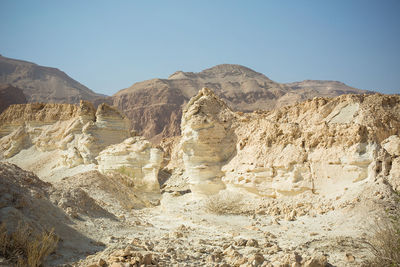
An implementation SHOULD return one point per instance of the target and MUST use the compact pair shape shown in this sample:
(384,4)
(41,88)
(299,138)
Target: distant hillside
(155,106)
(43,84)
(10,95)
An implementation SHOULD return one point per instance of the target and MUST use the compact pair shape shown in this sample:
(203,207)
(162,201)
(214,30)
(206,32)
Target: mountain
(43,84)
(10,95)
(155,106)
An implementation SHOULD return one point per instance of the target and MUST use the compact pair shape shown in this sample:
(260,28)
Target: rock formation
(70,139)
(155,106)
(136,158)
(10,95)
(288,187)
(322,145)
(208,141)
(43,84)
(78,130)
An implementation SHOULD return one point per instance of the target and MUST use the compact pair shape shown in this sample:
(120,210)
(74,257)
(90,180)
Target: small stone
(102,263)
(147,258)
(256,260)
(316,261)
(297,257)
(252,243)
(291,216)
(350,257)
(276,221)
(241,242)
(72,213)
(261,212)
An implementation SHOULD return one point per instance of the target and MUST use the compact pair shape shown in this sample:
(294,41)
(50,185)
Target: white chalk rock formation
(321,145)
(392,146)
(208,141)
(79,132)
(136,158)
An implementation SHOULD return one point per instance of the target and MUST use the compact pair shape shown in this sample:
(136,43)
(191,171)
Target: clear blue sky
(109,45)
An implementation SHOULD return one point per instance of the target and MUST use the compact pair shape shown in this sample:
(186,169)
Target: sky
(109,45)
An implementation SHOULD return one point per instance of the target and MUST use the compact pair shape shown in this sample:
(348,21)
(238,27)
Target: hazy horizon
(108,46)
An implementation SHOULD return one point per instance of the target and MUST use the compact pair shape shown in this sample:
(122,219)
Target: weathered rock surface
(155,106)
(43,84)
(61,140)
(300,182)
(136,158)
(10,95)
(79,131)
(208,141)
(322,145)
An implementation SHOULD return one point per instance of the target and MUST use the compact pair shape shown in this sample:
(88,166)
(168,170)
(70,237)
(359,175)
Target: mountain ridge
(43,84)
(242,88)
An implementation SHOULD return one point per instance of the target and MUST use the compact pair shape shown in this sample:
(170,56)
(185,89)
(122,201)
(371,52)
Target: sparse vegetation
(384,238)
(224,203)
(24,247)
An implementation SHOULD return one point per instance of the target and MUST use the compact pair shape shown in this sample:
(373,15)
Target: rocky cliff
(80,130)
(155,106)
(43,84)
(323,145)
(57,140)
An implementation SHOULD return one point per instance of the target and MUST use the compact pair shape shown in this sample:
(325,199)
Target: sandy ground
(178,230)
(181,232)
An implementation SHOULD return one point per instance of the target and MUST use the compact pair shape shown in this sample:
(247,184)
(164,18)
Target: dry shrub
(25,247)
(224,203)
(384,242)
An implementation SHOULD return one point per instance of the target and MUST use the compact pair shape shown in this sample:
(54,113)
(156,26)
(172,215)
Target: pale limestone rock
(323,146)
(316,261)
(136,158)
(14,142)
(392,145)
(208,141)
(79,132)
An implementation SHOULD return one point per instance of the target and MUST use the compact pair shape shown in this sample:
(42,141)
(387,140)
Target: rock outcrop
(10,95)
(155,106)
(79,131)
(322,145)
(60,140)
(136,158)
(44,84)
(208,141)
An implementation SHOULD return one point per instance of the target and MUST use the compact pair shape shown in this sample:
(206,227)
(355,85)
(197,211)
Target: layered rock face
(136,158)
(155,106)
(60,140)
(79,131)
(322,145)
(208,141)
(43,84)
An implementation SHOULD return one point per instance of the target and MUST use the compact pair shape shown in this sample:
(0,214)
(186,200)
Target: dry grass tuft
(384,242)
(25,247)
(224,203)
